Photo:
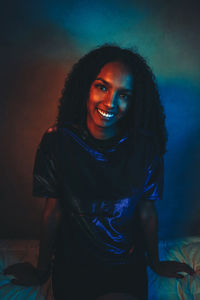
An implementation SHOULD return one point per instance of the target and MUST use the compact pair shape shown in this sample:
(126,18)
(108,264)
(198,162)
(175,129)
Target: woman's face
(109,99)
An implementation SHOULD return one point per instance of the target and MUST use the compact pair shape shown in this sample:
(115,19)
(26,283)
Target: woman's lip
(107,111)
(104,117)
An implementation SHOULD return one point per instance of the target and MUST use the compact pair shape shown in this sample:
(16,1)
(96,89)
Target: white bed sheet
(184,250)
(160,288)
(14,251)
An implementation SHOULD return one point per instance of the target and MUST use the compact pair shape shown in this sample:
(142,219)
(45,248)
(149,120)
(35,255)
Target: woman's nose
(111,100)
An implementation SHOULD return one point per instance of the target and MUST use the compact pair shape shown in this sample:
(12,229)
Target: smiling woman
(101,169)
(109,99)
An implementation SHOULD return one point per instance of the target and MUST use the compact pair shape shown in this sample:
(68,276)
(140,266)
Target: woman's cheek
(123,106)
(95,96)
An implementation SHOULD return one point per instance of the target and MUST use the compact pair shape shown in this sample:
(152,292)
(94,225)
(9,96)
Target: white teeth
(107,115)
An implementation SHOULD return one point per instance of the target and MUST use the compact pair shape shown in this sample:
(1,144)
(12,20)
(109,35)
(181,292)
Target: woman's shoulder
(49,139)
(50,133)
(54,133)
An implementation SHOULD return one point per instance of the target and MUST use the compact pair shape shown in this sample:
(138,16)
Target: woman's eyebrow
(104,81)
(107,83)
(126,90)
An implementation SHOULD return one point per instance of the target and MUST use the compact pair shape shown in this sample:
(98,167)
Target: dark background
(40,41)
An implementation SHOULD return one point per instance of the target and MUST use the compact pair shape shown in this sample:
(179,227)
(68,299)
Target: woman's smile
(104,114)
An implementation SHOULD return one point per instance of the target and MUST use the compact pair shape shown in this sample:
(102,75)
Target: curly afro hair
(146,113)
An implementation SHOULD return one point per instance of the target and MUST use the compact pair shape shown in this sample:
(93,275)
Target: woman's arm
(25,273)
(49,227)
(149,223)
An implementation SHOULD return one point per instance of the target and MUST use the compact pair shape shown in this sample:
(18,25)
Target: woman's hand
(172,269)
(26,274)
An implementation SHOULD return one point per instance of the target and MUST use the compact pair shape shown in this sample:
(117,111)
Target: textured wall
(40,42)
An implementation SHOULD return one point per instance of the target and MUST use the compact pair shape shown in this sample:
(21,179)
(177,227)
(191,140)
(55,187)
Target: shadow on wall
(191,175)
(30,107)
(179,209)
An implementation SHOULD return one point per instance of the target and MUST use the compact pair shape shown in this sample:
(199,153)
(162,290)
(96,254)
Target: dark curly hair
(146,114)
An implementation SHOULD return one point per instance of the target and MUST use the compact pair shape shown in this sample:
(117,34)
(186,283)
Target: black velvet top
(98,188)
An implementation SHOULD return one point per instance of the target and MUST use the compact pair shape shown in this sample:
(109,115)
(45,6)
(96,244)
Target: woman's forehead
(116,73)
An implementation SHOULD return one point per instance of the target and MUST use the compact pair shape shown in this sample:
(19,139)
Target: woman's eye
(101,87)
(124,96)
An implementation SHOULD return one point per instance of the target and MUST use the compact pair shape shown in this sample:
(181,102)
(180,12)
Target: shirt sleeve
(154,180)
(45,171)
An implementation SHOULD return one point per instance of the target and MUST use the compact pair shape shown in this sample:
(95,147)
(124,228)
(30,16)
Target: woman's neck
(101,133)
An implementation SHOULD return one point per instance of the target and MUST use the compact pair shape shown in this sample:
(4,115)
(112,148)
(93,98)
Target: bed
(160,288)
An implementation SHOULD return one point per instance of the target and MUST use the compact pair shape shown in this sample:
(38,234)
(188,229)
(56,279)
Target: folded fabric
(160,288)
(185,250)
